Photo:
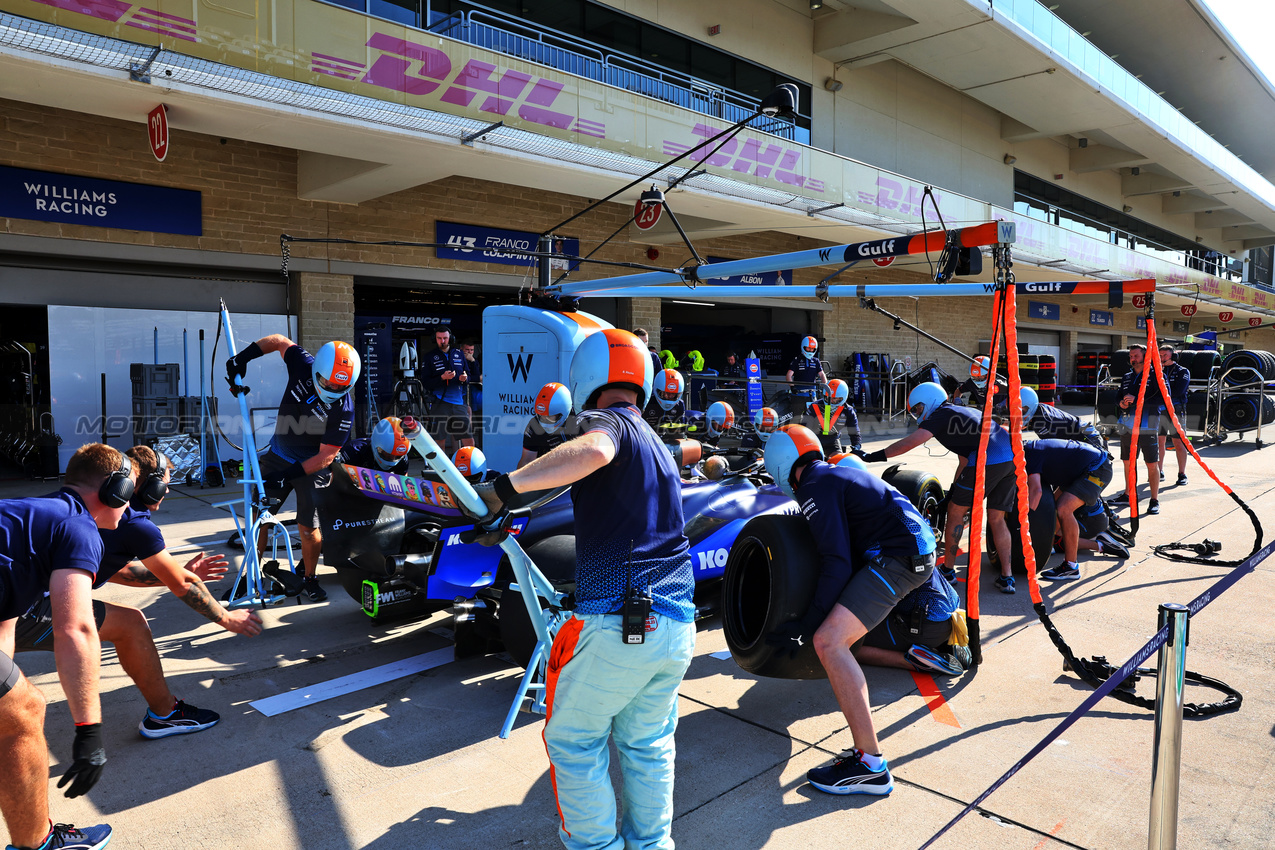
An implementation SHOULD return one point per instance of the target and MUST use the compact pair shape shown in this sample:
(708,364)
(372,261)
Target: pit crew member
(1079,472)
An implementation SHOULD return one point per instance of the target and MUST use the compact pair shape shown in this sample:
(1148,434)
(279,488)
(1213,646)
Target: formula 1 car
(402,546)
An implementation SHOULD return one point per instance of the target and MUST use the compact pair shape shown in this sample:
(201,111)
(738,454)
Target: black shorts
(9,674)
(998,486)
(1148,445)
(895,632)
(34,629)
(1088,487)
(1093,525)
(875,589)
(449,420)
(307,514)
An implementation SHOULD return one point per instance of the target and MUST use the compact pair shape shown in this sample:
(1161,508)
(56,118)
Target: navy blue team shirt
(1060,462)
(37,536)
(631,509)
(656,416)
(1050,423)
(453,391)
(957,430)
(305,421)
(805,370)
(536,439)
(855,517)
(136,538)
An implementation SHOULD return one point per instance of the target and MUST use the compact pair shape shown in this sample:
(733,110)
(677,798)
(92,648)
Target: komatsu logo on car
(876,249)
(714,558)
(1043,287)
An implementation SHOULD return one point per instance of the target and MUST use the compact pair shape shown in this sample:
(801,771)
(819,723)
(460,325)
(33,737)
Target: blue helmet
(849,460)
(553,406)
(764,423)
(389,445)
(1031,402)
(610,358)
(669,386)
(790,445)
(928,396)
(719,417)
(470,461)
(335,371)
(809,346)
(979,370)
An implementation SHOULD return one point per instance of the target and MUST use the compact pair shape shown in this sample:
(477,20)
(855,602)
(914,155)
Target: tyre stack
(1249,405)
(1047,379)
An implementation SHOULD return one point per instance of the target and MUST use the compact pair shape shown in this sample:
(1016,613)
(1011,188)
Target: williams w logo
(518,367)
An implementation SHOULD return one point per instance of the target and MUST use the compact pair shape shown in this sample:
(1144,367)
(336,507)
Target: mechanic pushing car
(616,665)
(957,430)
(312,425)
(51,544)
(1050,423)
(874,548)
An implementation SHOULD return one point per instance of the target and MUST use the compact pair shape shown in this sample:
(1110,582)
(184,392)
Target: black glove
(88,756)
(237,366)
(858,452)
(789,638)
(875,457)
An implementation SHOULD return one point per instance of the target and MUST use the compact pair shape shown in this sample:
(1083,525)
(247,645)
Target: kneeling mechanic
(874,548)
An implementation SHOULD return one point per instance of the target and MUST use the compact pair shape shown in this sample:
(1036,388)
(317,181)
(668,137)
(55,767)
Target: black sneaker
(927,660)
(849,775)
(311,590)
(948,575)
(1062,572)
(63,836)
(183,720)
(1153,507)
(1121,498)
(1109,545)
(1181,478)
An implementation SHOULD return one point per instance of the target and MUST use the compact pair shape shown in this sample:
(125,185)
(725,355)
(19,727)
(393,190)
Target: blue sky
(1252,25)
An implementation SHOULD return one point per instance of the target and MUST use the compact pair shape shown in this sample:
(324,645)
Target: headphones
(153,490)
(117,489)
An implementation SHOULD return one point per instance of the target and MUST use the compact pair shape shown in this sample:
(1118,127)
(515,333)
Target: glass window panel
(664,48)
(615,31)
(401,11)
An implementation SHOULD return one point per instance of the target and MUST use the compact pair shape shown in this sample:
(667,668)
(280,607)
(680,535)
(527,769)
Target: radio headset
(153,490)
(117,489)
(637,606)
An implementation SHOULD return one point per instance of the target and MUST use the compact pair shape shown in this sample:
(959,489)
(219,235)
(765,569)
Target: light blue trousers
(600,687)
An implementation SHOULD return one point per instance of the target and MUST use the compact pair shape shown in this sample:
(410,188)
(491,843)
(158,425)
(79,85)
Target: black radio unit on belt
(636,608)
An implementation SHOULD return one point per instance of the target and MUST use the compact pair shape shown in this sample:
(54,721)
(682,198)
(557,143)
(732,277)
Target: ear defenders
(153,490)
(117,489)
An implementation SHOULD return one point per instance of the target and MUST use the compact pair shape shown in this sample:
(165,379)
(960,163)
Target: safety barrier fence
(1129,668)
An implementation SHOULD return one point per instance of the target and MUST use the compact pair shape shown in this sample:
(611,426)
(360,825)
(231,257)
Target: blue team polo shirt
(136,538)
(37,536)
(1060,462)
(306,421)
(628,521)
(856,517)
(1050,423)
(453,391)
(805,370)
(957,429)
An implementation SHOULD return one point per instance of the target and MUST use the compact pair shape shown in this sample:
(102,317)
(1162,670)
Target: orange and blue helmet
(610,358)
(838,392)
(809,346)
(979,370)
(335,370)
(719,417)
(764,423)
(553,406)
(389,446)
(470,461)
(788,447)
(669,388)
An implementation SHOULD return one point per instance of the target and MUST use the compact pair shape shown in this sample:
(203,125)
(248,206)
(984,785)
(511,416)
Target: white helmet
(607,358)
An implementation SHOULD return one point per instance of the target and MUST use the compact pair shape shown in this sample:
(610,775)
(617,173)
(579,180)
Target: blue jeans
(599,687)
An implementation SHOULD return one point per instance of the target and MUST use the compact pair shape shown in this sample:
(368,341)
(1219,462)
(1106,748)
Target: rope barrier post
(1166,753)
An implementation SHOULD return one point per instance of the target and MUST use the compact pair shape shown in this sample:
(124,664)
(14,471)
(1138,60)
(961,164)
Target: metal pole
(203,411)
(157,345)
(1166,753)
(185,366)
(543,269)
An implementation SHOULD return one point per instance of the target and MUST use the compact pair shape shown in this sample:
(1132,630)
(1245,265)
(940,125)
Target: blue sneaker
(949,575)
(63,836)
(926,660)
(1005,584)
(849,775)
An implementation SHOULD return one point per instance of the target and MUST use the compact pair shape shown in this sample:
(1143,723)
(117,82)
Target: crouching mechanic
(1079,472)
(957,429)
(386,449)
(51,545)
(137,539)
(874,548)
(312,425)
(551,424)
(631,556)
